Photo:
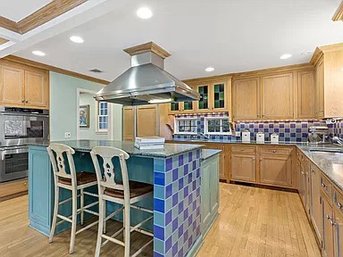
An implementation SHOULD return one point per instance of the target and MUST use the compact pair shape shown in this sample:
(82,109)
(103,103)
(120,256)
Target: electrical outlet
(237,133)
(67,134)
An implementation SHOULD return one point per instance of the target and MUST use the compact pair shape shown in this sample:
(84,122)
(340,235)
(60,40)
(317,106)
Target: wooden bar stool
(126,193)
(74,182)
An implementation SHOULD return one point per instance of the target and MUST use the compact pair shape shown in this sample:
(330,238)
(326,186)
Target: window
(217,126)
(186,125)
(102,116)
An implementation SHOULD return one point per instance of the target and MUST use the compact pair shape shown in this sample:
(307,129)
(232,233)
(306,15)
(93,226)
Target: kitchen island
(174,172)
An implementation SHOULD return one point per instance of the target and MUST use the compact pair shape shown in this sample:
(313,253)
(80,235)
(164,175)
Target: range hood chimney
(146,82)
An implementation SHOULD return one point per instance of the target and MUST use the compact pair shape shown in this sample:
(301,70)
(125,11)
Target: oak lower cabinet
(275,166)
(304,183)
(209,192)
(328,236)
(243,163)
(316,208)
(338,232)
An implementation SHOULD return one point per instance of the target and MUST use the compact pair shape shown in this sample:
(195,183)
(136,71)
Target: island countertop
(128,146)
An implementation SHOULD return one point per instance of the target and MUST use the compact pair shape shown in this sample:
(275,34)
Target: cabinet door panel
(128,123)
(11,86)
(36,89)
(276,170)
(277,96)
(316,210)
(338,233)
(147,121)
(306,95)
(245,95)
(327,229)
(243,167)
(320,89)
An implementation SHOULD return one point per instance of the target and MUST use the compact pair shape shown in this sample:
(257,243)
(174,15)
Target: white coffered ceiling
(16,10)
(229,35)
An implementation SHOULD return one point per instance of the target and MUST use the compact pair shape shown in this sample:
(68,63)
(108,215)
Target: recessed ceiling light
(209,69)
(76,39)
(144,13)
(285,56)
(38,53)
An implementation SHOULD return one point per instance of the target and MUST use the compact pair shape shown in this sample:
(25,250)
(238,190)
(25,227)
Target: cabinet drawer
(243,149)
(326,187)
(275,150)
(338,200)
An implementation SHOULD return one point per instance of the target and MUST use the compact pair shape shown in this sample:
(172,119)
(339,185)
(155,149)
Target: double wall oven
(18,128)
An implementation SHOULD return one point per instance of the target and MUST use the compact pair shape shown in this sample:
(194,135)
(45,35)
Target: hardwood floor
(256,222)
(252,222)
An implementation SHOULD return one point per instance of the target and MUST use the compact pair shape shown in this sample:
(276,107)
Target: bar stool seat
(136,189)
(82,178)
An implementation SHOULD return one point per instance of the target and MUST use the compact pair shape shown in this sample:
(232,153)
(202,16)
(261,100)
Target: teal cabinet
(209,192)
(40,189)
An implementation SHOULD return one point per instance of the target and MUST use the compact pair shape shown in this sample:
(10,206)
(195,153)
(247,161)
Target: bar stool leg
(127,229)
(100,227)
(54,219)
(82,199)
(74,220)
(105,215)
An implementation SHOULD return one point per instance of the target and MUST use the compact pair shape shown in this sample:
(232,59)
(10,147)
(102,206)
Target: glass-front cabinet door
(203,103)
(174,107)
(219,96)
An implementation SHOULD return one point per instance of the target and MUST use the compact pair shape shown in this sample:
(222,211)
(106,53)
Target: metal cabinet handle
(303,173)
(23,101)
(330,220)
(26,101)
(340,206)
(274,151)
(323,185)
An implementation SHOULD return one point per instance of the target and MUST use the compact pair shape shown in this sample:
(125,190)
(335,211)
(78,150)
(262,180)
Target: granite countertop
(128,146)
(207,153)
(331,163)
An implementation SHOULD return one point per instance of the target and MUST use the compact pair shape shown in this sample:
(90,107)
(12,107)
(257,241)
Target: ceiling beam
(338,16)
(41,16)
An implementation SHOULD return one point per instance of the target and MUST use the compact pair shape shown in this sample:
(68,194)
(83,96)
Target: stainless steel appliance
(18,128)
(317,134)
(146,81)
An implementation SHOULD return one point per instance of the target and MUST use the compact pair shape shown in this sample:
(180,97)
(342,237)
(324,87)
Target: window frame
(176,126)
(206,119)
(98,115)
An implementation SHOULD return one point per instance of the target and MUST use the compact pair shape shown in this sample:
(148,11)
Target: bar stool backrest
(107,178)
(56,153)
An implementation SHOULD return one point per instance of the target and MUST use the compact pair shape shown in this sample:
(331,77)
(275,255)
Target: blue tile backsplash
(288,131)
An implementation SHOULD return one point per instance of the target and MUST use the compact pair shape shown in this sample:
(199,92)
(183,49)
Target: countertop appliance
(146,82)
(246,136)
(260,137)
(18,128)
(317,134)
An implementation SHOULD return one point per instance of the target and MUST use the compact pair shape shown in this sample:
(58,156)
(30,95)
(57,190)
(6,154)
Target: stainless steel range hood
(146,81)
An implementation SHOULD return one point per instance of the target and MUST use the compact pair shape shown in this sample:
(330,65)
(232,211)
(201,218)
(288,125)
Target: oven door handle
(12,151)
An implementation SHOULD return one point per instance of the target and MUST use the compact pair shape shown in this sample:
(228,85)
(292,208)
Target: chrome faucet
(204,136)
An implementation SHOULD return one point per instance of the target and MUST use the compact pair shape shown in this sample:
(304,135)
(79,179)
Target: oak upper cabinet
(245,99)
(203,105)
(275,166)
(328,61)
(23,86)
(128,123)
(306,95)
(243,163)
(11,86)
(147,121)
(36,88)
(277,96)
(316,209)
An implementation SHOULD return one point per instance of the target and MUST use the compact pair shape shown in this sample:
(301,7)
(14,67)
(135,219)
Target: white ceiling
(229,35)
(16,10)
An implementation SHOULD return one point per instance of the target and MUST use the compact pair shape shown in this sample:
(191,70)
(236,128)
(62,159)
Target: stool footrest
(114,213)
(113,236)
(140,224)
(141,208)
(90,194)
(113,240)
(87,227)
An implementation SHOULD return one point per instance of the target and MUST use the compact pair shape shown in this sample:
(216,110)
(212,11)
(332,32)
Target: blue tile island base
(176,179)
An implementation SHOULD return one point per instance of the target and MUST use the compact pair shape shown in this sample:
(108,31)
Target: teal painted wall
(63,106)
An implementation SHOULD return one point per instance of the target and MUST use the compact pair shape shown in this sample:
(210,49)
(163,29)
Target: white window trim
(98,130)
(215,133)
(176,132)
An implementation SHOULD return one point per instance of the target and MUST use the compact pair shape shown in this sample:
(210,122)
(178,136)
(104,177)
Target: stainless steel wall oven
(18,128)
